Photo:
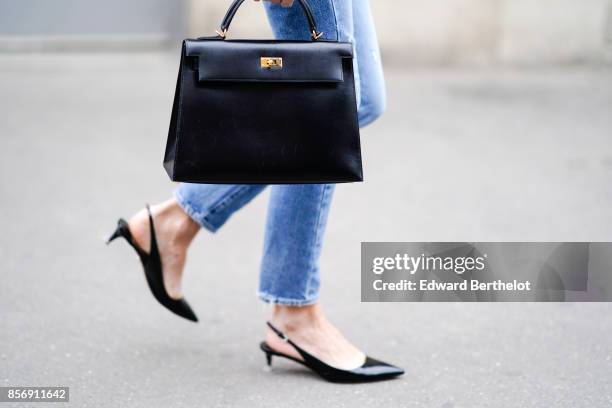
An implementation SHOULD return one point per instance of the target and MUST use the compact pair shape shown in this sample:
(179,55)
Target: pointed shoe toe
(183,309)
(377,370)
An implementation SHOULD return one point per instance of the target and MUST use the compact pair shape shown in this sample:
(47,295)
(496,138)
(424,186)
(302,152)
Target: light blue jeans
(297,214)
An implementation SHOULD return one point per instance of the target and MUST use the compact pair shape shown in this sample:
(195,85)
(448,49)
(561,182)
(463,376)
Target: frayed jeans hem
(193,214)
(276,300)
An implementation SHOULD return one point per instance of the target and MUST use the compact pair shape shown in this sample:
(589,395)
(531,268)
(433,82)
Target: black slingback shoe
(153,269)
(371,370)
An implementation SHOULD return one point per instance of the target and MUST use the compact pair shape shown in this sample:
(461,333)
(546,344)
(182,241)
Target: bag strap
(314,34)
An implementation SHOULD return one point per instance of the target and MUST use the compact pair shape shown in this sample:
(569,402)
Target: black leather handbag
(264,112)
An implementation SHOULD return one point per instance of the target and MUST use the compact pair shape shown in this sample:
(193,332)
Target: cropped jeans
(297,214)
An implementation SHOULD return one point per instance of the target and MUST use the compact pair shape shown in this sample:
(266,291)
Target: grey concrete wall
(463,31)
(495,31)
(41,24)
(415,32)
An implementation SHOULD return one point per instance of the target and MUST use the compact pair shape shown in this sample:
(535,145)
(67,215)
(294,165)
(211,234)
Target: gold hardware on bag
(271,62)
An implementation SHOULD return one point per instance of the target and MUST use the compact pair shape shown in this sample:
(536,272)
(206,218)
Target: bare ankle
(184,227)
(291,318)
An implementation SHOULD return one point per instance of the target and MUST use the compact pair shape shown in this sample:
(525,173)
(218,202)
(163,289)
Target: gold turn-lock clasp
(271,62)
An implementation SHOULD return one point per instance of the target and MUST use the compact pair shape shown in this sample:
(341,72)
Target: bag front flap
(271,61)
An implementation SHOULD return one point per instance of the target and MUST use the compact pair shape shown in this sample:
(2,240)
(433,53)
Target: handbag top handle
(315,35)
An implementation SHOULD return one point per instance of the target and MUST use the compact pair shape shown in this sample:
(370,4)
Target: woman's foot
(308,327)
(174,230)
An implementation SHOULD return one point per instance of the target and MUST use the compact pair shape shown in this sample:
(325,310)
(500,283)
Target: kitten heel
(116,234)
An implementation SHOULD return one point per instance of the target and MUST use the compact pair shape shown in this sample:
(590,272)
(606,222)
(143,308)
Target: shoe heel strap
(279,333)
(308,358)
(124,229)
(153,238)
(287,340)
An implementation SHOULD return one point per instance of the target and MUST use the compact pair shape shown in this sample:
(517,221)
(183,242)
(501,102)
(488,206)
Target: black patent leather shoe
(151,263)
(371,370)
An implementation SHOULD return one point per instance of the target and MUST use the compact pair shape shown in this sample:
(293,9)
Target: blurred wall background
(419,32)
(35,25)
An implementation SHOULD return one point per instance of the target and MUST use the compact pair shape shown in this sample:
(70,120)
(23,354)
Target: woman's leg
(297,217)
(178,220)
(297,214)
(211,205)
(346,21)
(372,94)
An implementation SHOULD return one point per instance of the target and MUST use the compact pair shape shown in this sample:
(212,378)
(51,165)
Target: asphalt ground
(461,155)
